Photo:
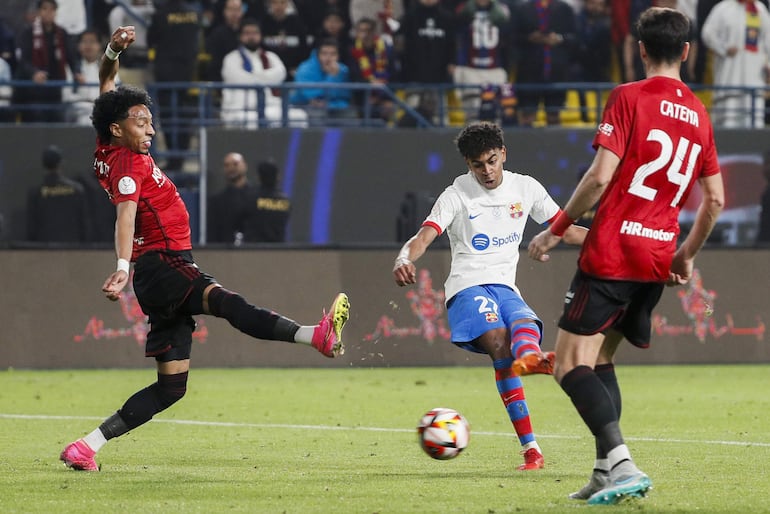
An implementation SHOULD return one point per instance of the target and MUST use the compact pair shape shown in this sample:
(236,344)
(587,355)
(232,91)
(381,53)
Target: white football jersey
(485,227)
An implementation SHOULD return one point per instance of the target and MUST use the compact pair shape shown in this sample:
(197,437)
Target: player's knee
(222,302)
(171,388)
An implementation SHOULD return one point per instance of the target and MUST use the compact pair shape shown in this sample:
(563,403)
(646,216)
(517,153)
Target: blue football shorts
(479,309)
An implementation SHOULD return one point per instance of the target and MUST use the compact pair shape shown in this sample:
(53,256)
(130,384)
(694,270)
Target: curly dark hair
(478,138)
(112,107)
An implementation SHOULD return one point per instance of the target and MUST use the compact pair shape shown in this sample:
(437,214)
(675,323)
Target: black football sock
(594,404)
(144,404)
(606,373)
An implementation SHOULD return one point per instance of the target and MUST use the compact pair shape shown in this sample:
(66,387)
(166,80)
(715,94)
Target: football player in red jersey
(153,231)
(654,142)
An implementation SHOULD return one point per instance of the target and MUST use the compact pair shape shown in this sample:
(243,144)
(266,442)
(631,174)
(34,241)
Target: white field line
(375,429)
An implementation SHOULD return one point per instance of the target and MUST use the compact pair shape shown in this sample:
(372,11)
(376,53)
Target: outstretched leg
(261,323)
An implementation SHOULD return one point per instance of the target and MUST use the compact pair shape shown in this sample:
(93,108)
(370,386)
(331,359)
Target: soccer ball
(443,433)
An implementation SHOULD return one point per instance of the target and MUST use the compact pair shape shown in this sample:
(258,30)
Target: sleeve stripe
(433,226)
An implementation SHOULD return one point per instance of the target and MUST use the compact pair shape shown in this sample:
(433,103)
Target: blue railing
(204,109)
(199,101)
(189,106)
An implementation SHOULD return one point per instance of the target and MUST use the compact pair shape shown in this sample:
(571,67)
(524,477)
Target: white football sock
(95,440)
(534,445)
(305,334)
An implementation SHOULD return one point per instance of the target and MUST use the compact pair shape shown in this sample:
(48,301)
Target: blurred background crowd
(345,63)
(502,57)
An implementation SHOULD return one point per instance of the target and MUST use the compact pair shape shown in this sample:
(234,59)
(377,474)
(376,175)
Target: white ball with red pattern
(443,433)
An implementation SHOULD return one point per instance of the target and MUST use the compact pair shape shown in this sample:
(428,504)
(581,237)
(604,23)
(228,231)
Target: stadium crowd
(494,60)
(502,56)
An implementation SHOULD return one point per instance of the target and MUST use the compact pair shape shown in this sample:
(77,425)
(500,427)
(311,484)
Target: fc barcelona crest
(516,210)
(491,317)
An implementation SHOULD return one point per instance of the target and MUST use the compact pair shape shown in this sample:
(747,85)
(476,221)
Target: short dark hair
(367,21)
(333,11)
(51,157)
(478,138)
(52,2)
(329,41)
(268,173)
(112,107)
(248,22)
(664,32)
(90,30)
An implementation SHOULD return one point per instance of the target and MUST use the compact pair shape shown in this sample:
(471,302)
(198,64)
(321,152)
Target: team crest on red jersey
(516,210)
(491,317)
(606,129)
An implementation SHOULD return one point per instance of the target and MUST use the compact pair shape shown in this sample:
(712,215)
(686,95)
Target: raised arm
(108,68)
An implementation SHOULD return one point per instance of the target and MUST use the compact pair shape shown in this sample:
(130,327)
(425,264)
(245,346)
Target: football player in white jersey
(484,213)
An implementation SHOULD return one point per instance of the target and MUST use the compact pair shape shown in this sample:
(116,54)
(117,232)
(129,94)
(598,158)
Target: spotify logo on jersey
(480,242)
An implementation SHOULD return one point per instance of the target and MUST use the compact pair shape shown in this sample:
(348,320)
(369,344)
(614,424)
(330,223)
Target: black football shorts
(594,305)
(164,284)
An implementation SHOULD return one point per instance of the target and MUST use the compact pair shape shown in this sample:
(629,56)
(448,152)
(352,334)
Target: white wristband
(123,265)
(111,54)
(401,261)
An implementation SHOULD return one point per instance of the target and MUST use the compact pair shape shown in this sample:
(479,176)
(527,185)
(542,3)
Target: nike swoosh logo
(473,216)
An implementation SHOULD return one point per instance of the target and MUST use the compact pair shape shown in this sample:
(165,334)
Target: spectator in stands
(763,236)
(545,32)
(213,12)
(372,61)
(57,210)
(134,62)
(285,34)
(268,215)
(173,36)
(313,13)
(228,208)
(593,50)
(323,65)
(702,10)
(738,33)
(386,14)
(71,16)
(7,65)
(223,38)
(6,115)
(250,64)
(634,67)
(426,44)
(7,44)
(335,26)
(620,27)
(45,53)
(80,97)
(480,61)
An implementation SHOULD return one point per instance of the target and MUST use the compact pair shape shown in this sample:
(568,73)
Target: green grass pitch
(344,441)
